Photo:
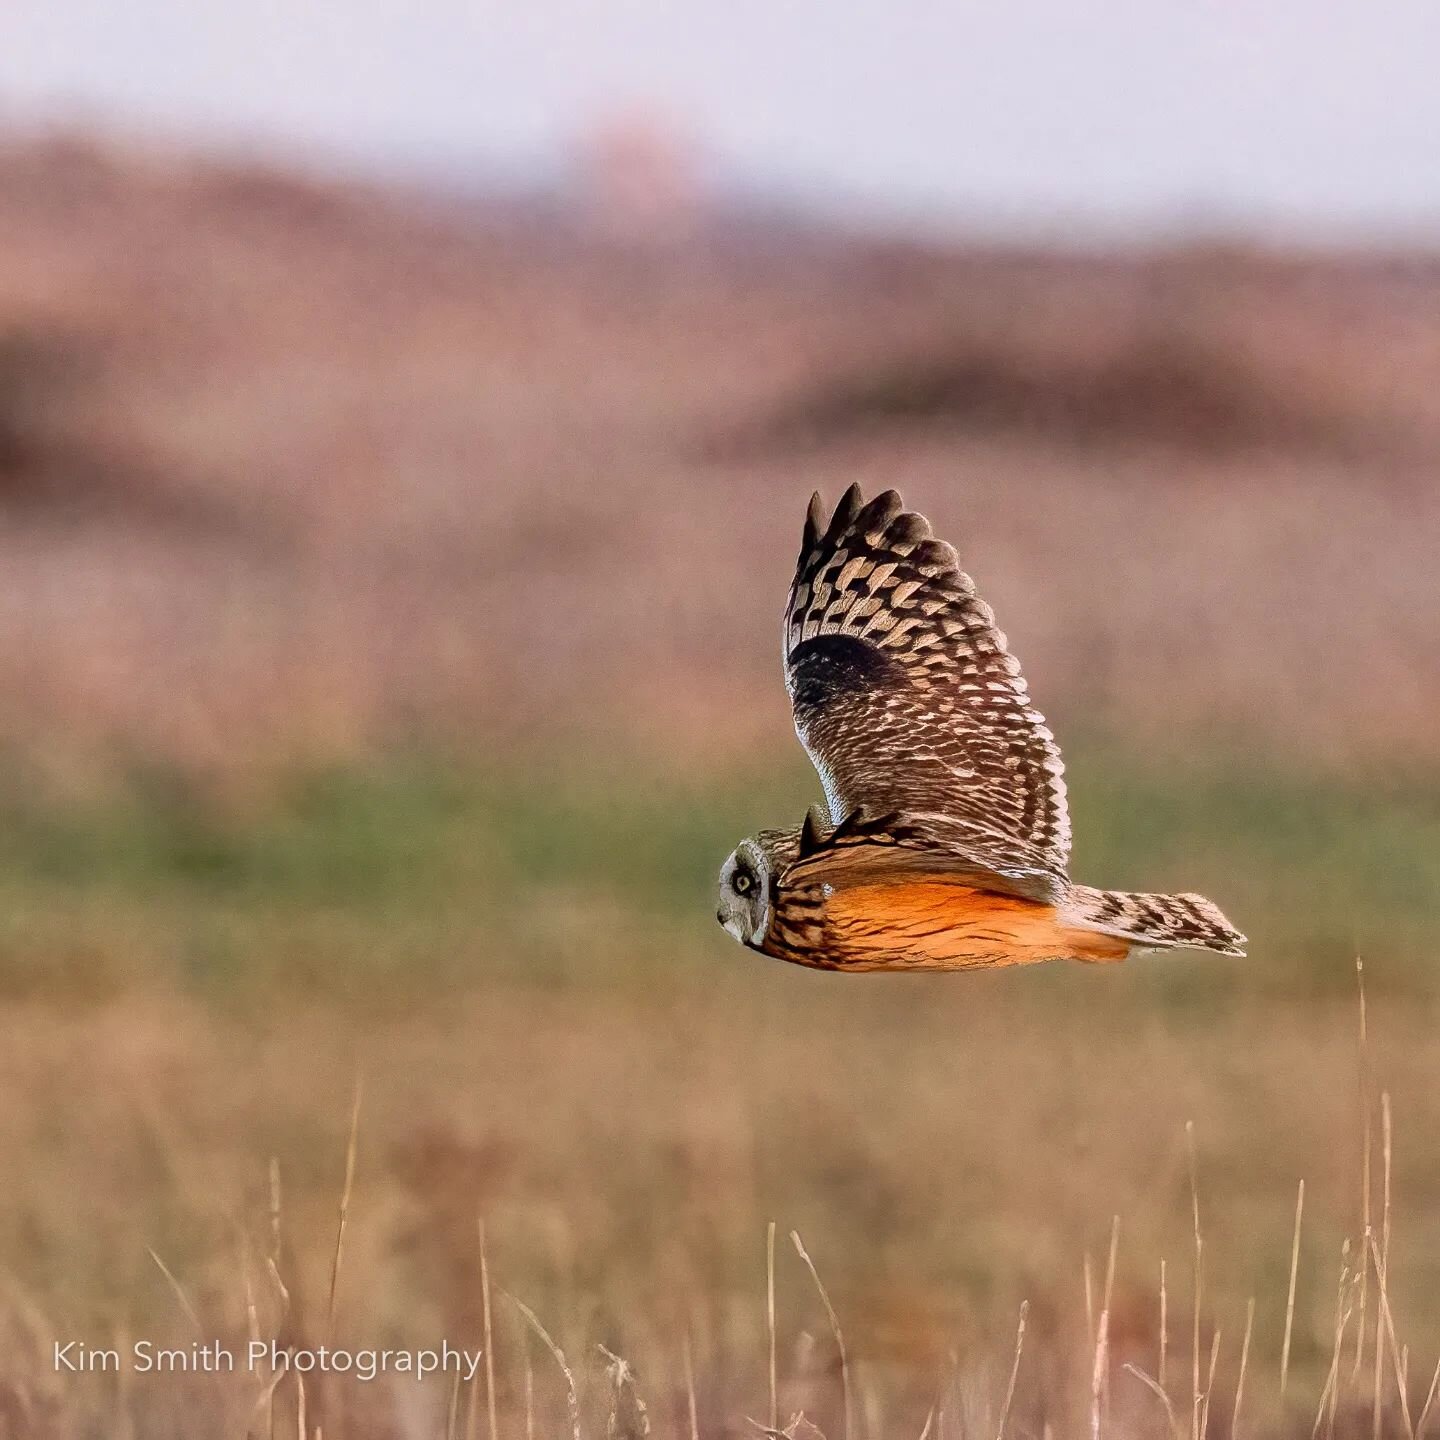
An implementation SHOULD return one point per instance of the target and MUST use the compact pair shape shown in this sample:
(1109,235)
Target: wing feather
(906,696)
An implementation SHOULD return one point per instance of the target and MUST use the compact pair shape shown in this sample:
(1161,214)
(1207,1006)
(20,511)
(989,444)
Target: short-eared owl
(947,838)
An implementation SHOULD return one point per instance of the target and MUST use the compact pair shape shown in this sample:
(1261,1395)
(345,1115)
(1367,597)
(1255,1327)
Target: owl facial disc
(745,894)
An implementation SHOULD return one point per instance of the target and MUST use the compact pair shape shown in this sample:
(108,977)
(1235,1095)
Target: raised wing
(907,700)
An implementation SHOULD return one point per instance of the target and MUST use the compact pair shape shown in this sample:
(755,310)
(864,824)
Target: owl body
(945,841)
(933,923)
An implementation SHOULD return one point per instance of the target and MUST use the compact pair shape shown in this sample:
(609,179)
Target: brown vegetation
(627,1154)
(291,468)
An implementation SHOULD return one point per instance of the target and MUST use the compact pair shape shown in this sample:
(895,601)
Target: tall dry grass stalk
(1089,1300)
(1290,1293)
(489,1332)
(1199,1282)
(1164,1325)
(1344,1303)
(529,1390)
(629,1415)
(1382,1264)
(452,1412)
(834,1329)
(770,1323)
(1153,1386)
(1425,1409)
(1364,1087)
(1109,1304)
(351,1150)
(572,1393)
(178,1291)
(1097,1373)
(1244,1362)
(692,1410)
(1210,1382)
(275,1204)
(1014,1373)
(1388,1322)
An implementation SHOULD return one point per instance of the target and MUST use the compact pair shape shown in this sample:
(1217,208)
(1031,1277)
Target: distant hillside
(289,468)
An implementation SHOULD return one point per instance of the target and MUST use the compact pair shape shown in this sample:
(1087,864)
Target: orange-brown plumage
(933,923)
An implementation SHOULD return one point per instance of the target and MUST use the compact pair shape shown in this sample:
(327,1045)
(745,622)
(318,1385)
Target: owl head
(747,883)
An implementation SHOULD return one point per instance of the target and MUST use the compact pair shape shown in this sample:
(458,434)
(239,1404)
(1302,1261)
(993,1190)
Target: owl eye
(742,883)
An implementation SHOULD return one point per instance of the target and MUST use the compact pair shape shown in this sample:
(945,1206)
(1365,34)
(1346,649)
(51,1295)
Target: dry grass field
(388,658)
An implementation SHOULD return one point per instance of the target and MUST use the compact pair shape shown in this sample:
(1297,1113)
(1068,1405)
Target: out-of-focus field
(388,658)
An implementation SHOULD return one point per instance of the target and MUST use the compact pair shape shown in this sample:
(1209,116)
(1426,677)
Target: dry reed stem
(635,1426)
(180,1294)
(281,1289)
(272,1270)
(252,1323)
(572,1394)
(452,1418)
(350,1152)
(1014,1371)
(1164,1324)
(489,1331)
(1389,1324)
(1210,1382)
(1429,1403)
(529,1392)
(834,1326)
(275,1209)
(792,1429)
(1158,1391)
(1089,1304)
(770,1321)
(1244,1361)
(943,1388)
(252,1313)
(1329,1391)
(1097,1374)
(1290,1295)
(1363,1080)
(1378,1378)
(1109,1302)
(266,1401)
(1199,1282)
(690,1389)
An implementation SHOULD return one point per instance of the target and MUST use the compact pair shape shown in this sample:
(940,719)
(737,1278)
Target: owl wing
(907,700)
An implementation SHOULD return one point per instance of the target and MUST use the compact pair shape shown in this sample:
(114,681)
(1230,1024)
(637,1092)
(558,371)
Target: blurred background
(407,415)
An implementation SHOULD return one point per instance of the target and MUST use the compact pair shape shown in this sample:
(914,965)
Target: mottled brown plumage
(947,838)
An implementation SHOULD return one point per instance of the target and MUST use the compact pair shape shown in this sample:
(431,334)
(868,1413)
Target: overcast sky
(1290,115)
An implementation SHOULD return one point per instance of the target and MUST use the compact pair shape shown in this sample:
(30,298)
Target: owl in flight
(947,837)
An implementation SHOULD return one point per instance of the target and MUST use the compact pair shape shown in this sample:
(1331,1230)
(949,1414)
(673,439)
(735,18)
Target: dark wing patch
(906,697)
(825,668)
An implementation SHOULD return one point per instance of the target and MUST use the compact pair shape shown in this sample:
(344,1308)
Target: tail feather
(1153,921)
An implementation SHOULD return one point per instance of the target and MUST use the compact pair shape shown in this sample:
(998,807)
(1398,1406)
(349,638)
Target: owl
(945,841)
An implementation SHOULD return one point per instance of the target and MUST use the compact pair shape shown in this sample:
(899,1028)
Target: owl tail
(1162,922)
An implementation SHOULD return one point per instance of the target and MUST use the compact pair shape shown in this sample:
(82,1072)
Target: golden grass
(627,1210)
